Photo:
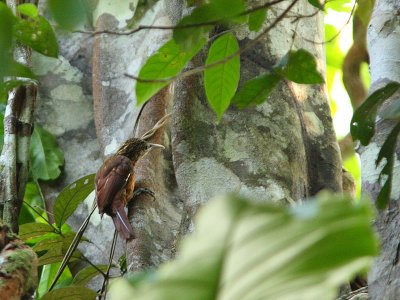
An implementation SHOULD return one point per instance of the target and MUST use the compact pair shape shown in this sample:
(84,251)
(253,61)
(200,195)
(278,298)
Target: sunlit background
(338,22)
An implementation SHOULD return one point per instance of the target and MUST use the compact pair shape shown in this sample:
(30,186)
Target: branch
(172,27)
(222,61)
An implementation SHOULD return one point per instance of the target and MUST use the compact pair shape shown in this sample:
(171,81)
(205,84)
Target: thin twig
(338,33)
(40,215)
(85,259)
(106,277)
(72,247)
(185,26)
(220,62)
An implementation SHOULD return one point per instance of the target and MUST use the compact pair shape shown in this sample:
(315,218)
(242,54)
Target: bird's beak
(155,146)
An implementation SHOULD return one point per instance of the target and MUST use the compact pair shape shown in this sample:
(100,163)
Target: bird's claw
(140,191)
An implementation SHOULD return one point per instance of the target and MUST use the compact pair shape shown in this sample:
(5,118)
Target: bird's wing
(110,181)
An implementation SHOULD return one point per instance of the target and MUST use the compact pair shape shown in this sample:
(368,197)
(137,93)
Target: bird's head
(135,148)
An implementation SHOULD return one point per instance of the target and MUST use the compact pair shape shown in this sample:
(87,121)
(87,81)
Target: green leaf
(244,250)
(316,4)
(256,90)
(53,249)
(300,67)
(169,60)
(28,9)
(388,152)
(46,157)
(334,55)
(205,17)
(85,275)
(68,14)
(32,230)
(7,20)
(33,198)
(47,277)
(38,34)
(71,293)
(70,197)
(20,70)
(230,10)
(363,122)
(339,5)
(25,216)
(189,36)
(257,19)
(221,81)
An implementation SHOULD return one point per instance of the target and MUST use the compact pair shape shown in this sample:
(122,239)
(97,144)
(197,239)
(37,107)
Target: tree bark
(383,47)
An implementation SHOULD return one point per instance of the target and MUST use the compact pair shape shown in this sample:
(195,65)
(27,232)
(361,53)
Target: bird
(114,186)
(115,182)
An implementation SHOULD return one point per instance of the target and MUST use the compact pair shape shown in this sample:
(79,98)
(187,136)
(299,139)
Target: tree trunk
(383,47)
(282,150)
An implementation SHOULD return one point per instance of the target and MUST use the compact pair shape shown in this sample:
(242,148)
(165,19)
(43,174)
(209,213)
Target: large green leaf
(7,20)
(363,122)
(8,66)
(71,293)
(300,67)
(53,249)
(38,34)
(69,14)
(47,277)
(256,90)
(243,250)
(46,156)
(70,197)
(85,275)
(169,60)
(32,230)
(221,80)
(387,152)
(28,9)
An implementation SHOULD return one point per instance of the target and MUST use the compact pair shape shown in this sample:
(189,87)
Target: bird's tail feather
(122,224)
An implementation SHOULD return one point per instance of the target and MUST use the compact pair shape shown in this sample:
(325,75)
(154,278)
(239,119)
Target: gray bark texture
(283,150)
(383,47)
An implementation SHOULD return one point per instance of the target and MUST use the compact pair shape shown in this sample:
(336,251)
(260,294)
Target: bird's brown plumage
(115,182)
(114,187)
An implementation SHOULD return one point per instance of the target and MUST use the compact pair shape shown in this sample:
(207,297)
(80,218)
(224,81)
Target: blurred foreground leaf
(242,250)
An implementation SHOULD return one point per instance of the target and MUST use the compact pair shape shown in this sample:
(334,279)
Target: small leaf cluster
(51,242)
(222,65)
(27,28)
(362,128)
